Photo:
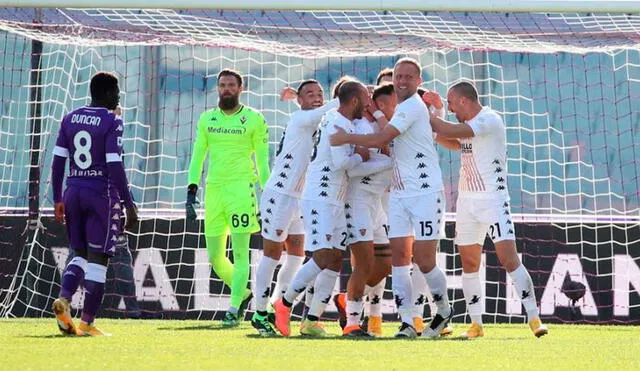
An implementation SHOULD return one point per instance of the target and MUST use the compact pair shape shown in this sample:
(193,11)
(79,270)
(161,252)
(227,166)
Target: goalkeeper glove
(191,201)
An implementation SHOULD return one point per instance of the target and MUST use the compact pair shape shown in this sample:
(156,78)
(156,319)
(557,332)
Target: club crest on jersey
(243,119)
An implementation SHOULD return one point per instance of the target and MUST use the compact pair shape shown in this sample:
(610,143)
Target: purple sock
(94,291)
(71,278)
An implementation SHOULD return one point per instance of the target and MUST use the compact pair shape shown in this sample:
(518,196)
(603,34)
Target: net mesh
(565,84)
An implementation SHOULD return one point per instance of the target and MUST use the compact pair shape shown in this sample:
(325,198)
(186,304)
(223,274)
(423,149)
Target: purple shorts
(93,219)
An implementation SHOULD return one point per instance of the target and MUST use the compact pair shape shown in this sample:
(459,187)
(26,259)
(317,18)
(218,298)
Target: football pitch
(35,344)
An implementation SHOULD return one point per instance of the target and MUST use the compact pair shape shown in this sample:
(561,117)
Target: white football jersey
(483,158)
(416,168)
(378,174)
(294,150)
(327,173)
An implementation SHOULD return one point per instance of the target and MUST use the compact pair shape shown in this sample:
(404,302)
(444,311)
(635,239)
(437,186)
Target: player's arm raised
(312,117)
(436,107)
(449,129)
(261,148)
(452,144)
(377,140)
(344,159)
(60,154)
(308,118)
(381,119)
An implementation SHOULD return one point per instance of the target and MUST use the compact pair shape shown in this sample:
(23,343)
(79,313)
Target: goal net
(567,86)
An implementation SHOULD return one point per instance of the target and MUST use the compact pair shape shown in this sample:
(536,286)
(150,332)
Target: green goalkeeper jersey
(230,141)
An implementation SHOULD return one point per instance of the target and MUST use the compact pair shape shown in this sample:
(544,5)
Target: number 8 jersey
(90,137)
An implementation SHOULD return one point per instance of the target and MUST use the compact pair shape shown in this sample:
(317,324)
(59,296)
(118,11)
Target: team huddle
(360,171)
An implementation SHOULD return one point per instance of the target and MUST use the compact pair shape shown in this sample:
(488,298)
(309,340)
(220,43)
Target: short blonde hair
(412,61)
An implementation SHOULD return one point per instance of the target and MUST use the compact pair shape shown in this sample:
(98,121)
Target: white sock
(472,289)
(286,274)
(524,287)
(306,274)
(419,285)
(354,311)
(323,289)
(375,299)
(428,299)
(402,291)
(366,307)
(308,296)
(367,290)
(437,282)
(264,275)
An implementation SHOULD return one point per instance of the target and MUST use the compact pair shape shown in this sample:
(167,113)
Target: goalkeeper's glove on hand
(191,202)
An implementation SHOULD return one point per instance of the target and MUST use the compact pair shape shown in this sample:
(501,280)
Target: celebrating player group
(359,171)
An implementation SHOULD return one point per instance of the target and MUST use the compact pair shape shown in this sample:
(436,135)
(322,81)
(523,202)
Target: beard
(358,111)
(228,102)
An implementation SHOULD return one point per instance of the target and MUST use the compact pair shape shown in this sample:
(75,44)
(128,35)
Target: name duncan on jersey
(76,172)
(86,120)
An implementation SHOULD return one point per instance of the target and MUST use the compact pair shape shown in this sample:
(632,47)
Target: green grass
(192,345)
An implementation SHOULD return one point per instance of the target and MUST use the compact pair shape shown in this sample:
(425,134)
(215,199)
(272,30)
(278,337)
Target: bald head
(353,97)
(465,89)
(462,100)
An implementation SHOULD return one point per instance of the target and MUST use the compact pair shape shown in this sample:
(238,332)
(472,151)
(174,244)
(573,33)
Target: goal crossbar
(545,6)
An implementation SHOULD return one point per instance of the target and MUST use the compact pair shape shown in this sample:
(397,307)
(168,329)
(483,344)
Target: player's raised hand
(363,152)
(58,212)
(339,137)
(288,93)
(371,107)
(435,121)
(432,99)
(191,202)
(132,217)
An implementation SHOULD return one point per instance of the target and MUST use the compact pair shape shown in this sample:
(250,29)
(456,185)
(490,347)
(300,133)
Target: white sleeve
(439,112)
(342,156)
(313,117)
(402,120)
(377,163)
(486,124)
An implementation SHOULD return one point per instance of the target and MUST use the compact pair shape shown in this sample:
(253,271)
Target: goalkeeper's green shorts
(230,206)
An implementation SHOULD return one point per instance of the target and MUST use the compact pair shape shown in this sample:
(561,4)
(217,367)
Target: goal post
(565,76)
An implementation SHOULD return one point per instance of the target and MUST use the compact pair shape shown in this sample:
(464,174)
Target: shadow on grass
(375,339)
(211,326)
(53,336)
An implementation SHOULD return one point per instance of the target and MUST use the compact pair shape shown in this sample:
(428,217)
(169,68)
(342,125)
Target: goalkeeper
(231,134)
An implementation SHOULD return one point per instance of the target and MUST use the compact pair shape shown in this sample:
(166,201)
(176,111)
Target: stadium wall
(177,283)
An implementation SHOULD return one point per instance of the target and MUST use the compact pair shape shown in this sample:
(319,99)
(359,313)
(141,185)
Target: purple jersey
(90,137)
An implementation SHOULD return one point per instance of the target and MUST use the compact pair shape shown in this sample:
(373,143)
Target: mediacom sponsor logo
(229,130)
